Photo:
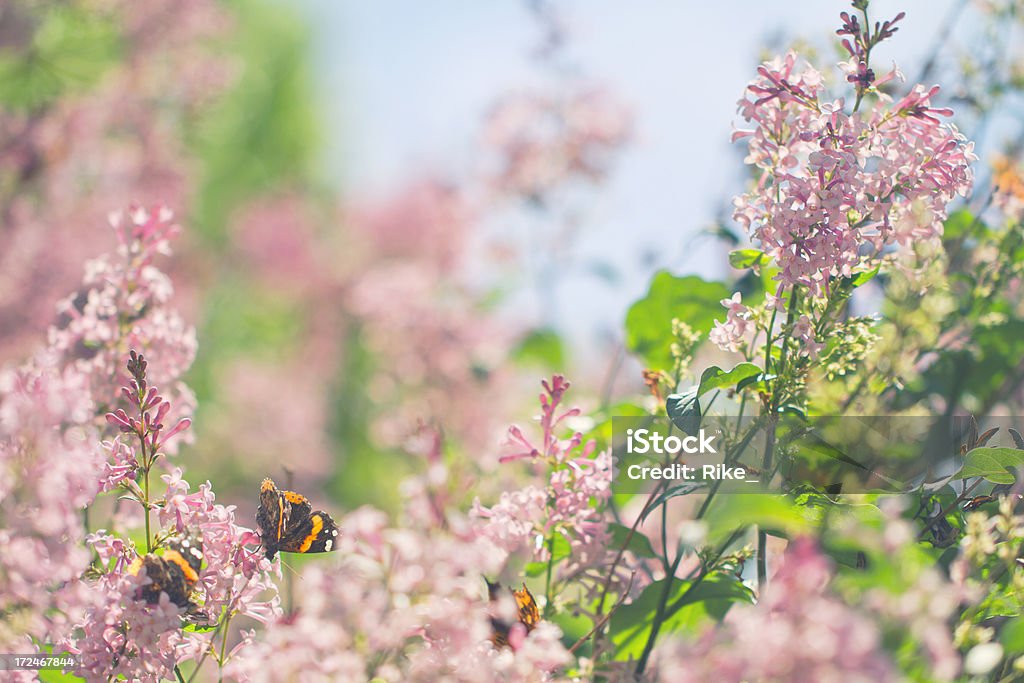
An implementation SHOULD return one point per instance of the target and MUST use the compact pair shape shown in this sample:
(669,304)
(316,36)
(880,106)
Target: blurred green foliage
(264,135)
(59,50)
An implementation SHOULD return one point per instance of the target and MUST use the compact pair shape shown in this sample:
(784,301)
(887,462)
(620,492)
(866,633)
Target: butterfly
(288,524)
(528,614)
(977,502)
(175,572)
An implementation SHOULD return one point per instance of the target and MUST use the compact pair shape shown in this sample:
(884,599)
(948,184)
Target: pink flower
(803,332)
(797,632)
(545,141)
(837,188)
(732,334)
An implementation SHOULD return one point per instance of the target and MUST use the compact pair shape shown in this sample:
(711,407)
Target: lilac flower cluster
(798,632)
(833,185)
(121,634)
(544,140)
(569,505)
(49,469)
(399,605)
(122,304)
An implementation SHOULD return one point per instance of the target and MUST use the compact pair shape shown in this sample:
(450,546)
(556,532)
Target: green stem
(769,450)
(547,579)
(664,610)
(659,614)
(762,536)
(145,503)
(223,647)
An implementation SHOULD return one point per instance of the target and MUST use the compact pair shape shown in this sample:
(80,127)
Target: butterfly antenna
(288,566)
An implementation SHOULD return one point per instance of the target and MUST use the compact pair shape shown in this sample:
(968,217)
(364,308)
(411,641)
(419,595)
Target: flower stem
(547,580)
(223,647)
(762,536)
(145,503)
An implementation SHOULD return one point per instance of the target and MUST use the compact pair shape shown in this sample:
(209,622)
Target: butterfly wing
(529,613)
(312,532)
(169,573)
(270,517)
(287,523)
(189,549)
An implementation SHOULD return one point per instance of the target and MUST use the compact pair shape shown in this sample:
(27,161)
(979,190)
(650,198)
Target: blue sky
(404,84)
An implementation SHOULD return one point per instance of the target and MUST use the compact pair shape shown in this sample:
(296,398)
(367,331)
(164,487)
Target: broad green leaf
(776,513)
(542,347)
(684,411)
(639,544)
(685,610)
(959,224)
(997,465)
(746,258)
(1012,636)
(716,378)
(649,320)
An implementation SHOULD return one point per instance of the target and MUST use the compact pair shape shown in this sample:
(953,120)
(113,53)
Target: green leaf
(649,320)
(70,49)
(997,465)
(535,569)
(775,513)
(1012,636)
(864,276)
(716,378)
(541,347)
(958,224)
(670,493)
(560,550)
(686,610)
(639,544)
(745,258)
(684,411)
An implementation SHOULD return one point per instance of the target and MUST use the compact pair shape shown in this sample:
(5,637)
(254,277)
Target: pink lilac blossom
(51,452)
(571,504)
(120,634)
(803,332)
(836,188)
(734,332)
(125,636)
(64,164)
(798,632)
(453,374)
(544,140)
(396,605)
(49,469)
(123,304)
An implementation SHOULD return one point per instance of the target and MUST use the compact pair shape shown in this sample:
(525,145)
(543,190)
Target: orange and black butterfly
(977,502)
(288,524)
(528,614)
(175,572)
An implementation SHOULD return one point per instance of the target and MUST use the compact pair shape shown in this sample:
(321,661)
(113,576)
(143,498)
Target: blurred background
(399,216)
